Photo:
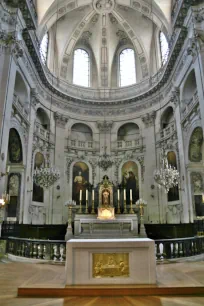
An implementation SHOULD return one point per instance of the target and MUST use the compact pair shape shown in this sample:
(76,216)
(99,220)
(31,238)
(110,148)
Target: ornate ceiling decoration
(103,6)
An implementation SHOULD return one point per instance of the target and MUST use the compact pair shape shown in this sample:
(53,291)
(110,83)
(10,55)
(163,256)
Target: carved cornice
(149,119)
(60,119)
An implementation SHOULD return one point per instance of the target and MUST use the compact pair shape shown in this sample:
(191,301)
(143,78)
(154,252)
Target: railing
(22,107)
(54,250)
(168,131)
(80,144)
(188,105)
(176,248)
(42,133)
(127,144)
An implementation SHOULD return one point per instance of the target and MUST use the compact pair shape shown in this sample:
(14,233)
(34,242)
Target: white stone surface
(142,261)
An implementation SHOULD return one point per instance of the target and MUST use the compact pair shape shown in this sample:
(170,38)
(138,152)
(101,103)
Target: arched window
(81,71)
(127,67)
(44,48)
(164,48)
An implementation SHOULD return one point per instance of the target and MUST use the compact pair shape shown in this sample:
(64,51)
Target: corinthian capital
(104,126)
(149,118)
(60,119)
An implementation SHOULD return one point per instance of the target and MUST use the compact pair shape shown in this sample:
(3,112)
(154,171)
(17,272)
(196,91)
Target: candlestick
(131,210)
(130,194)
(80,207)
(118,194)
(80,195)
(124,194)
(92,209)
(86,211)
(87,195)
(93,195)
(118,209)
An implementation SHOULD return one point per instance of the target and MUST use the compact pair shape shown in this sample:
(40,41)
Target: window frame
(163,57)
(119,71)
(89,66)
(44,57)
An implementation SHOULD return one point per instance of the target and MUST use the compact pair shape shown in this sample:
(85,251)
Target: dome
(106,33)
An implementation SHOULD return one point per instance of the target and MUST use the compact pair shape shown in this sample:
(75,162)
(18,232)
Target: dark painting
(80,181)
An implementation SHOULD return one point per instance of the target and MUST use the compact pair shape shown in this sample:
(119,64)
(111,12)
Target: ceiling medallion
(103,6)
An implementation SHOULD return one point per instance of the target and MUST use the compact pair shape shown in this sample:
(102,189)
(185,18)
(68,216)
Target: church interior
(101,152)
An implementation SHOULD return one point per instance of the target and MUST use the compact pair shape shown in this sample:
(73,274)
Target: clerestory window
(44,48)
(127,67)
(81,70)
(164,48)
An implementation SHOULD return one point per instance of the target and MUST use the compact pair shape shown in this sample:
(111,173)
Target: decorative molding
(197,181)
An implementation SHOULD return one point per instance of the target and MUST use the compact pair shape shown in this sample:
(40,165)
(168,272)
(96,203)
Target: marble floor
(14,275)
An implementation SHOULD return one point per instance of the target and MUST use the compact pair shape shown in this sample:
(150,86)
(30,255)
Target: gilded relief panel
(110,265)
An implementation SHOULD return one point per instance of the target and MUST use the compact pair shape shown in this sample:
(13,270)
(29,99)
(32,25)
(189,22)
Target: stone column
(59,211)
(154,209)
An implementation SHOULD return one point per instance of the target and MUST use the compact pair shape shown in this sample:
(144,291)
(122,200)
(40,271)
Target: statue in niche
(197,181)
(195,149)
(15,147)
(80,181)
(106,210)
(13,185)
(105,198)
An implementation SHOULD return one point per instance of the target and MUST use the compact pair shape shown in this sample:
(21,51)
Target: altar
(110,261)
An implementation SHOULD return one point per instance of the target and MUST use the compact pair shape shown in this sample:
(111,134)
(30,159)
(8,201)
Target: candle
(124,194)
(92,195)
(118,194)
(8,169)
(130,194)
(86,195)
(80,195)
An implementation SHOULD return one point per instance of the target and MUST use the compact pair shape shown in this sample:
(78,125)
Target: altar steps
(130,290)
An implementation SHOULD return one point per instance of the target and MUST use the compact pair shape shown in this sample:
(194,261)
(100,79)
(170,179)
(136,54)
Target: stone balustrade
(43,134)
(55,250)
(176,248)
(188,105)
(85,145)
(167,132)
(127,144)
(21,107)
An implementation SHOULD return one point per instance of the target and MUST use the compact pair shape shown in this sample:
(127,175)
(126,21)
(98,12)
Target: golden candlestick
(80,207)
(131,209)
(125,207)
(86,211)
(92,209)
(118,209)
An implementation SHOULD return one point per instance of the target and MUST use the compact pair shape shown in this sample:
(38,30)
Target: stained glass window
(127,67)
(81,70)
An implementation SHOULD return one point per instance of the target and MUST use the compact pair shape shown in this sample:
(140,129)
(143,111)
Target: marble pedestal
(110,261)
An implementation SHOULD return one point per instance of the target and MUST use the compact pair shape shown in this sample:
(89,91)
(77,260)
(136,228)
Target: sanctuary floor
(14,275)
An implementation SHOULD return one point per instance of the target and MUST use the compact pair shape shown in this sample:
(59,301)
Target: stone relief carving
(197,181)
(103,6)
(14,185)
(37,214)
(149,119)
(195,147)
(104,126)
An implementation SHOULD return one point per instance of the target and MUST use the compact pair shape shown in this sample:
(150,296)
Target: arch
(42,118)
(15,147)
(196,145)
(82,132)
(127,67)
(189,87)
(167,117)
(130,180)
(20,89)
(128,132)
(80,182)
(81,67)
